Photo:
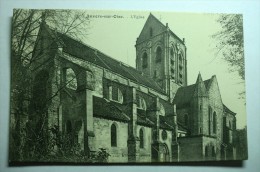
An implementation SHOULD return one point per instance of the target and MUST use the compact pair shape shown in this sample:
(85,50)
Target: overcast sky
(116,36)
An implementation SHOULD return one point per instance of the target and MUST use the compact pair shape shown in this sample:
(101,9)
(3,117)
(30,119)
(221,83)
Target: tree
(230,41)
(25,28)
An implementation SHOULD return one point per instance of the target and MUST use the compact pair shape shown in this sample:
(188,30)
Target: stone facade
(147,114)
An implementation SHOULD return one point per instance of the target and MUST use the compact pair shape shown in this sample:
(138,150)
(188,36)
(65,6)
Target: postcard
(126,87)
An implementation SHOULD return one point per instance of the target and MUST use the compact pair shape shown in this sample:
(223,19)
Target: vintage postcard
(126,87)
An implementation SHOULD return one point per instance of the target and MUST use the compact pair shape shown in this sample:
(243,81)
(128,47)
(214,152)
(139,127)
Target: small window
(172,53)
(141,136)
(145,60)
(151,32)
(115,94)
(206,151)
(164,135)
(161,109)
(180,59)
(158,54)
(230,125)
(113,136)
(141,103)
(214,122)
(213,152)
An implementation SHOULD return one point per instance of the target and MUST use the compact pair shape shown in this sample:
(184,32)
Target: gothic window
(120,96)
(206,151)
(214,122)
(70,79)
(115,94)
(230,126)
(158,54)
(161,109)
(141,136)
(151,32)
(141,103)
(144,60)
(113,136)
(213,151)
(209,116)
(172,53)
(180,68)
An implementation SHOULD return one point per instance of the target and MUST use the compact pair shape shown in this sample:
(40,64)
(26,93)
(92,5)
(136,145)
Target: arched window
(161,109)
(180,68)
(158,54)
(113,136)
(70,79)
(214,122)
(230,125)
(206,151)
(145,60)
(151,32)
(213,151)
(172,53)
(141,136)
(209,116)
(180,58)
(141,103)
(115,94)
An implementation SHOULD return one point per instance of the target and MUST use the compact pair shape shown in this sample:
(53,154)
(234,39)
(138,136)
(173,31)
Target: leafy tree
(25,27)
(230,41)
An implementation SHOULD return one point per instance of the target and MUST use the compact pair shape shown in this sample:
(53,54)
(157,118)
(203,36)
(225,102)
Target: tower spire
(200,89)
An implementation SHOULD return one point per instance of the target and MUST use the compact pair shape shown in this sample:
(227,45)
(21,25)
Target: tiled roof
(108,110)
(166,122)
(85,52)
(181,127)
(142,120)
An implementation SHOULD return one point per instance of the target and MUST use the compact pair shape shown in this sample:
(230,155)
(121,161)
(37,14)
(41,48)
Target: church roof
(108,110)
(226,109)
(152,19)
(85,52)
(184,95)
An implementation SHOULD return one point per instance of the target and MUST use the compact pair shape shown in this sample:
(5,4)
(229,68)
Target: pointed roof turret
(200,89)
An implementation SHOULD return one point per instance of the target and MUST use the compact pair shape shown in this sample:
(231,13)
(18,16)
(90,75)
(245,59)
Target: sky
(116,36)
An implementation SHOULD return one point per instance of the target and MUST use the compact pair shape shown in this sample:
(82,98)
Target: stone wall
(102,130)
(145,152)
(190,148)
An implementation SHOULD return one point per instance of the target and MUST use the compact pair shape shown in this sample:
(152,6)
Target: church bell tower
(161,55)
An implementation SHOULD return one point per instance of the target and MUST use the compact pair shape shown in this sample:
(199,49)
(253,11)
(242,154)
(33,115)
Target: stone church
(142,114)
